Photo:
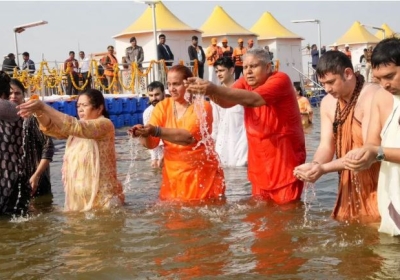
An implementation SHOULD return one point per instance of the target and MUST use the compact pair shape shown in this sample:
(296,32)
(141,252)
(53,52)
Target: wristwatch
(381,155)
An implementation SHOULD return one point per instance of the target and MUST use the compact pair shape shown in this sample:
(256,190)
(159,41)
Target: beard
(154,102)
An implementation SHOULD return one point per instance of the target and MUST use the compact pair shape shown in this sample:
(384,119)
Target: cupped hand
(360,159)
(308,172)
(196,85)
(30,107)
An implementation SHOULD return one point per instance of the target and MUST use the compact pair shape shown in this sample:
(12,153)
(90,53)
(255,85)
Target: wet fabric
(275,135)
(190,172)
(229,134)
(357,192)
(14,190)
(89,169)
(389,175)
(158,152)
(37,146)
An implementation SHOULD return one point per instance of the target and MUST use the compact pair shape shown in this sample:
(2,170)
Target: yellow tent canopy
(219,23)
(166,21)
(267,27)
(388,32)
(357,34)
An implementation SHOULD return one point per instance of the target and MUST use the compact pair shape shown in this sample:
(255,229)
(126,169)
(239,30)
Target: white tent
(285,44)
(178,34)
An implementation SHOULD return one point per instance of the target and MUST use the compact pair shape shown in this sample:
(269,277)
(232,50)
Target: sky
(90,25)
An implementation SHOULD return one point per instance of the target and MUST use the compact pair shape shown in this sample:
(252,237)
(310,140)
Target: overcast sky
(91,24)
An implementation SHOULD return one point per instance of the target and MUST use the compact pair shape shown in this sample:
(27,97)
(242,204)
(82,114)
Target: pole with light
(152,4)
(377,28)
(318,22)
(20,29)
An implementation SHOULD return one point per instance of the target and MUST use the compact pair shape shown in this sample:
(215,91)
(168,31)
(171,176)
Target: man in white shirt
(84,65)
(156,93)
(228,129)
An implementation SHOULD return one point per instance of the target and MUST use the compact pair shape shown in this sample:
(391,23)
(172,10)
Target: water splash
(309,198)
(132,169)
(206,138)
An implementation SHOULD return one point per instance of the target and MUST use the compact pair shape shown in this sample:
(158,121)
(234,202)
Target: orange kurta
(190,172)
(275,136)
(357,192)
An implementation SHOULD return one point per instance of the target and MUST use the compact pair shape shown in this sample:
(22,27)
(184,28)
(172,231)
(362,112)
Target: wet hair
(17,83)
(154,85)
(334,62)
(387,51)
(299,90)
(96,99)
(224,61)
(181,69)
(260,53)
(4,85)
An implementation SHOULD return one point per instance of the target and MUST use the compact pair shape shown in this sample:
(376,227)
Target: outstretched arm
(224,96)
(149,135)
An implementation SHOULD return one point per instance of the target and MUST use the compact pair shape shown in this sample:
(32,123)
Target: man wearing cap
(226,50)
(237,57)
(28,63)
(213,53)
(163,51)
(9,63)
(250,44)
(347,51)
(196,52)
(134,53)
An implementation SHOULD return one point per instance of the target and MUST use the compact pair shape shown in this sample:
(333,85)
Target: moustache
(154,102)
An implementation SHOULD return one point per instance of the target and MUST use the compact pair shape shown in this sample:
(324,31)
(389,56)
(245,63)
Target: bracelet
(38,116)
(157,132)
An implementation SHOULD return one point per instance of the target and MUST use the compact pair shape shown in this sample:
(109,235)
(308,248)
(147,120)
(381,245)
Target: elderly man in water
(273,125)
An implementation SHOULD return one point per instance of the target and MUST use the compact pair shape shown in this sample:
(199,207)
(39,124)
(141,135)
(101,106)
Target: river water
(240,238)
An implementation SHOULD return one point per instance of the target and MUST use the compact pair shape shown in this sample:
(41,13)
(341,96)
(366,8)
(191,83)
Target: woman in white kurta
(89,169)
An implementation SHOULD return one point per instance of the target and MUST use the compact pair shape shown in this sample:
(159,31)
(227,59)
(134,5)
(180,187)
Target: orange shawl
(356,198)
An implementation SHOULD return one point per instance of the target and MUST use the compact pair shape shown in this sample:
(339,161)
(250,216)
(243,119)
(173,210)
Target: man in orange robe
(273,125)
(345,114)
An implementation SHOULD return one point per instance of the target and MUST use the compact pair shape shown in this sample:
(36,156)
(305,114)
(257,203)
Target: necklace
(341,116)
(176,112)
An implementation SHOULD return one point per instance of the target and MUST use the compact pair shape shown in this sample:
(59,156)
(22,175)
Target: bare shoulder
(383,98)
(328,106)
(368,91)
